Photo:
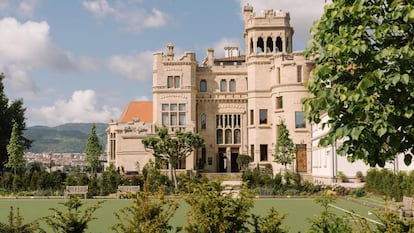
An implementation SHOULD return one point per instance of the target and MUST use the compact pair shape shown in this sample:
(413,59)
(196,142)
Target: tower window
(203,85)
(279,102)
(232,85)
(203,121)
(299,74)
(223,85)
(260,45)
(173,82)
(279,44)
(300,120)
(263,116)
(269,44)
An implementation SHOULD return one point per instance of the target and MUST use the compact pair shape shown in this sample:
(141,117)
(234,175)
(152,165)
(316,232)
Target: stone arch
(279,44)
(260,45)
(269,44)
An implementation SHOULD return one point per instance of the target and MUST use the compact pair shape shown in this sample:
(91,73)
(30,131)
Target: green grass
(297,211)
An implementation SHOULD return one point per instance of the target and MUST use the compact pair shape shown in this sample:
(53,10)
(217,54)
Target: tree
(285,151)
(173,148)
(15,224)
(363,78)
(10,113)
(15,149)
(93,150)
(212,211)
(73,220)
(146,214)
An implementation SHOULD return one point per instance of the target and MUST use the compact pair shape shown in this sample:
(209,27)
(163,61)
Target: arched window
(260,45)
(251,46)
(203,85)
(269,45)
(219,136)
(232,85)
(237,136)
(223,85)
(228,136)
(279,44)
(203,121)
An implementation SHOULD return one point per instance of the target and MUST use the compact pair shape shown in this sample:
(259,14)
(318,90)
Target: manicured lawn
(298,210)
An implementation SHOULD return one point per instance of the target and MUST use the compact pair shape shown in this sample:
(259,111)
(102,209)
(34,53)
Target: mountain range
(66,138)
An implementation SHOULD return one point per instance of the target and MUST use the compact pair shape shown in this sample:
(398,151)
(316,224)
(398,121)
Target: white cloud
(27,7)
(99,8)
(133,18)
(302,14)
(27,46)
(136,66)
(81,107)
(142,98)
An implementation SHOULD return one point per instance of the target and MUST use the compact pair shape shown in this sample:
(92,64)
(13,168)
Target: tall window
(299,74)
(300,120)
(228,128)
(252,151)
(251,116)
(232,85)
(219,136)
(203,121)
(237,139)
(173,114)
(263,152)
(263,116)
(279,102)
(177,81)
(173,82)
(170,82)
(223,85)
(112,149)
(203,85)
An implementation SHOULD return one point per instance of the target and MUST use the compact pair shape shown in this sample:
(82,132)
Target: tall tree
(15,150)
(363,78)
(93,150)
(9,114)
(173,148)
(285,150)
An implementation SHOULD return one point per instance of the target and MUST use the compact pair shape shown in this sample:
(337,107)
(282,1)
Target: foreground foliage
(146,214)
(74,220)
(363,78)
(15,224)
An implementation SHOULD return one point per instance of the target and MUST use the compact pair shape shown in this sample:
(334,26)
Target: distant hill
(66,138)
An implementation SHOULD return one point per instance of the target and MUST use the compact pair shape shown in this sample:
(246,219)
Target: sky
(85,60)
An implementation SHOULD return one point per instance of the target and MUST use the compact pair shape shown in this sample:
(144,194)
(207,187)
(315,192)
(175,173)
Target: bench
(125,189)
(76,190)
(406,210)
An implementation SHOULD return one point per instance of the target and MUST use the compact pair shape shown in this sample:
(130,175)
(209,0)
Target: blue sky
(85,60)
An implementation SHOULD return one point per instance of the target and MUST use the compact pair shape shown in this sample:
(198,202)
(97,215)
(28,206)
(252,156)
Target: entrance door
(221,160)
(301,160)
(234,165)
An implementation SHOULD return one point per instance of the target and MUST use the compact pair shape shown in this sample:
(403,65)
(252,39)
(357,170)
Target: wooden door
(301,158)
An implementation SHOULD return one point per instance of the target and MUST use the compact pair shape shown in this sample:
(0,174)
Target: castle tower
(275,84)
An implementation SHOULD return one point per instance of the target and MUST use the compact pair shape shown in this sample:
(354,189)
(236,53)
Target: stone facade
(236,103)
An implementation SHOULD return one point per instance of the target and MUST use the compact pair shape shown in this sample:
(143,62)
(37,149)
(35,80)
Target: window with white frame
(173,114)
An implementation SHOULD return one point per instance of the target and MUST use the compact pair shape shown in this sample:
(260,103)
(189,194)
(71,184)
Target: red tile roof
(137,109)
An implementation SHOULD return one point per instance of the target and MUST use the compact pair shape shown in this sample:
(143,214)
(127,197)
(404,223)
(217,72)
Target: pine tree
(10,113)
(15,150)
(285,150)
(93,150)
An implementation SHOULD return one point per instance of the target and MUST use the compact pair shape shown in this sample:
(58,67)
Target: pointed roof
(141,110)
